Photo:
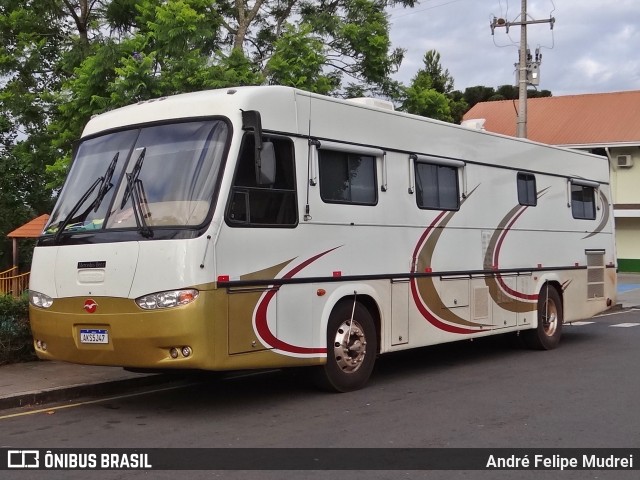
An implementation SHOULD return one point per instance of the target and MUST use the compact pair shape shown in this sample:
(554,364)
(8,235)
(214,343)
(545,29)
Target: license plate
(94,335)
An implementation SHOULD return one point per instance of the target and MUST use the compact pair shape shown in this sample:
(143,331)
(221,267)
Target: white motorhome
(264,227)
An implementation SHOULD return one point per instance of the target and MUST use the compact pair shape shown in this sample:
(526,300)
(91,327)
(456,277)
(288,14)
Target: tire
(351,349)
(546,335)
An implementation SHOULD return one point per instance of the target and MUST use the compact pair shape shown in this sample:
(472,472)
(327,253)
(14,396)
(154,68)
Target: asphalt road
(490,393)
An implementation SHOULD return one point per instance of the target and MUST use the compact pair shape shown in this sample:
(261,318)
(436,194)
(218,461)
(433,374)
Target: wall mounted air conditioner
(624,161)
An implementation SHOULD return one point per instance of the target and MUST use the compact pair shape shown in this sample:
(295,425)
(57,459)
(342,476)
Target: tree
(298,60)
(477,94)
(422,99)
(473,95)
(441,79)
(431,92)
(164,48)
(32,37)
(63,61)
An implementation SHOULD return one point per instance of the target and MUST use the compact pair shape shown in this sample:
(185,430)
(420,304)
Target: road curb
(61,394)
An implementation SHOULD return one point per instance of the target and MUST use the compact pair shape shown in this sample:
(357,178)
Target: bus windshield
(155,176)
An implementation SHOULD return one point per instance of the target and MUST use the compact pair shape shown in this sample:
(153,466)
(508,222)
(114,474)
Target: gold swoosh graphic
(426,288)
(497,292)
(605,217)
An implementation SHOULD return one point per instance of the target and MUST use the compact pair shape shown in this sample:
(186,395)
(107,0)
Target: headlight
(41,300)
(172,298)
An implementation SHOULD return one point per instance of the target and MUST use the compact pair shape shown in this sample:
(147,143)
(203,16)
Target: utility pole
(524,73)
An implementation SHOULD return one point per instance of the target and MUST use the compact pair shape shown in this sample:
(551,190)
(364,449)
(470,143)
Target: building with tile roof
(602,123)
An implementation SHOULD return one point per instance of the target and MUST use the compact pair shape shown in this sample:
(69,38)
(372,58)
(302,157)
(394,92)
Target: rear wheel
(351,348)
(546,335)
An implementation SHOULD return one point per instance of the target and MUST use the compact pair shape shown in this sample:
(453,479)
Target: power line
(414,11)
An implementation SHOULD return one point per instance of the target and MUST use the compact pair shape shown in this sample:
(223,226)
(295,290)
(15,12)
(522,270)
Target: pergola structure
(11,281)
(31,229)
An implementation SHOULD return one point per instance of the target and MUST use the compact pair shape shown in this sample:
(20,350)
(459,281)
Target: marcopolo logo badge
(90,305)
(23,459)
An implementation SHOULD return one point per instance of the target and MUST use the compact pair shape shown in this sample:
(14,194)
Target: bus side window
(348,178)
(583,202)
(437,186)
(273,205)
(527,189)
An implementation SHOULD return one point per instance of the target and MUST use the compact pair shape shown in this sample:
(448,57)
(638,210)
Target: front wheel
(351,349)
(546,335)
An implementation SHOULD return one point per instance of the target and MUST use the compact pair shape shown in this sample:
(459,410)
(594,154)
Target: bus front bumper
(119,333)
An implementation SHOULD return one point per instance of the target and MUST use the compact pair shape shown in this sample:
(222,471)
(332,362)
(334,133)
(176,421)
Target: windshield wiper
(63,224)
(138,199)
(106,183)
(134,176)
(105,186)
(135,190)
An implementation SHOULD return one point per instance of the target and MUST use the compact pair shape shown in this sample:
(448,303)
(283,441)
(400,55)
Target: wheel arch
(366,295)
(547,331)
(551,281)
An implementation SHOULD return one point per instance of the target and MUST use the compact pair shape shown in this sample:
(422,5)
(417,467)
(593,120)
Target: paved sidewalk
(629,290)
(38,382)
(41,382)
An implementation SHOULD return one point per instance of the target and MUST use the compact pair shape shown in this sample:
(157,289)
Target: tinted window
(583,202)
(175,169)
(264,205)
(527,189)
(347,178)
(437,186)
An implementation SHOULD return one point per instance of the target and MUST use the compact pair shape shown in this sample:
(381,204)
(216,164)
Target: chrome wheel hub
(550,319)
(349,346)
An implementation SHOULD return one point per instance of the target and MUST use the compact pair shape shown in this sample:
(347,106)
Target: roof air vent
(474,123)
(373,102)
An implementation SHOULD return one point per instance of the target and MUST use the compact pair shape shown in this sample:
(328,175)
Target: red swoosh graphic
(431,318)
(423,238)
(414,289)
(496,255)
(262,327)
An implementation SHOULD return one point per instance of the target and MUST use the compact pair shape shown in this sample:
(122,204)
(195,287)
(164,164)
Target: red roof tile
(592,119)
(32,229)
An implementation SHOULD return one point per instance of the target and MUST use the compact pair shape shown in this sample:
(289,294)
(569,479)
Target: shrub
(16,343)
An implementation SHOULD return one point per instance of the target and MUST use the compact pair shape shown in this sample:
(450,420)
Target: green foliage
(477,94)
(13,210)
(16,343)
(62,62)
(32,37)
(23,195)
(441,79)
(473,95)
(172,48)
(163,48)
(357,47)
(458,105)
(121,14)
(298,61)
(427,102)
(364,35)
(431,92)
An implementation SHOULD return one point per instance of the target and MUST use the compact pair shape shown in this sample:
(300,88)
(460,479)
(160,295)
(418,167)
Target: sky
(594,46)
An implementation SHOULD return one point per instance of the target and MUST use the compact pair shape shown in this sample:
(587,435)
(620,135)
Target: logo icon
(90,305)
(23,459)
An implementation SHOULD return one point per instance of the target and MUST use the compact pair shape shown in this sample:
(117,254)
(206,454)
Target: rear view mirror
(266,165)
(265,156)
